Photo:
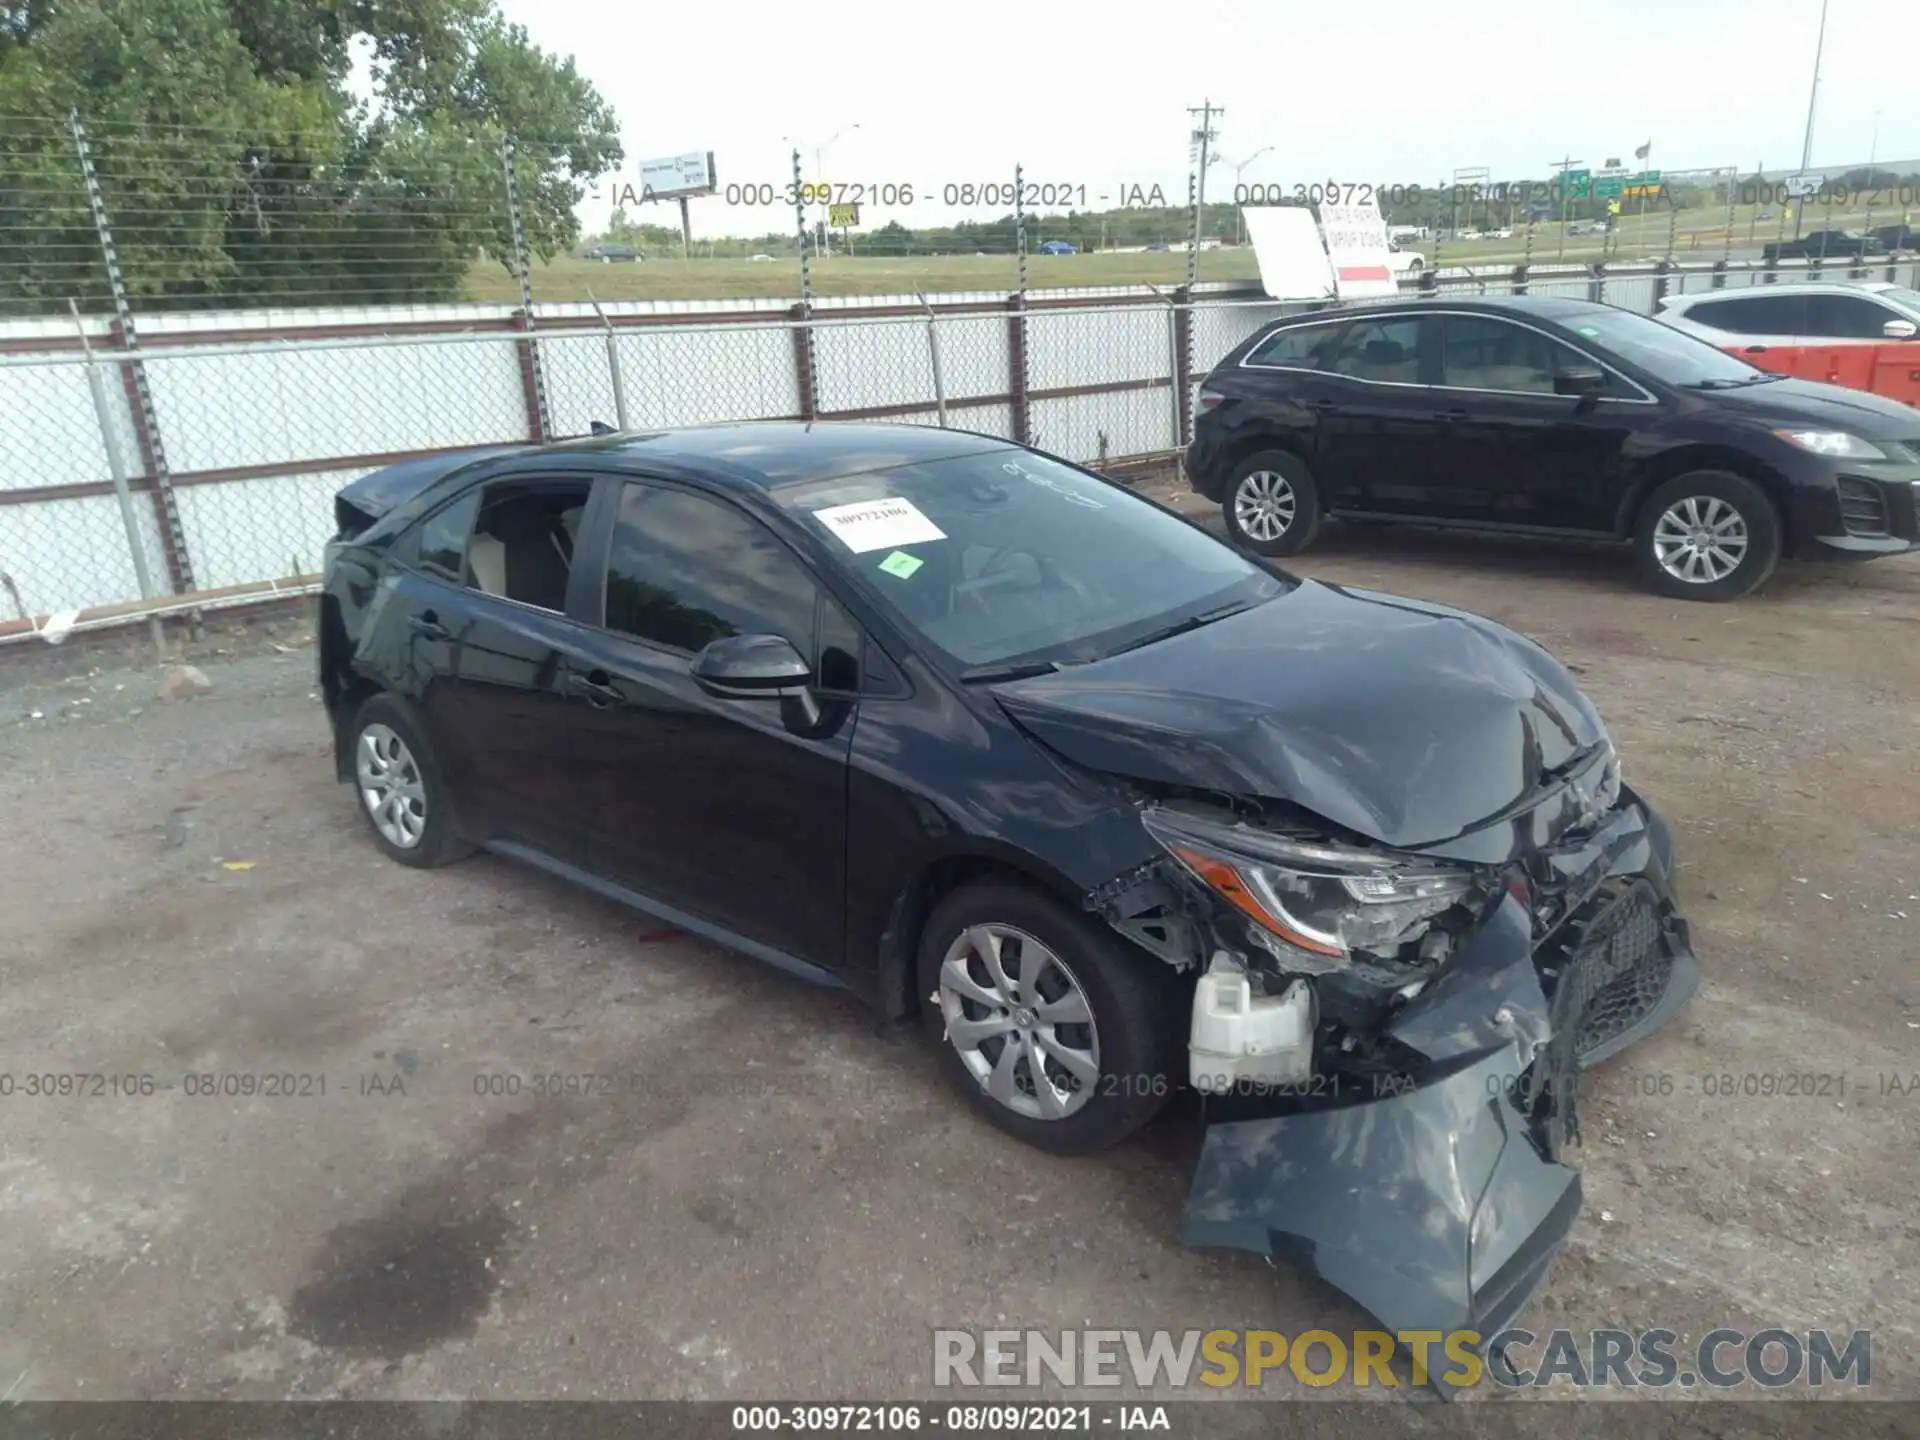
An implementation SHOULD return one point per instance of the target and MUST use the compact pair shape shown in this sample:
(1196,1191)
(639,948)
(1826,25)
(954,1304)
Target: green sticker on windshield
(1588,331)
(901,565)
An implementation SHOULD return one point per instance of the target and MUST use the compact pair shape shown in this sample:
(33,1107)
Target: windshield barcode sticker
(879,525)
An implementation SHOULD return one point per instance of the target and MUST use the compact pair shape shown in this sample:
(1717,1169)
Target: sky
(1095,94)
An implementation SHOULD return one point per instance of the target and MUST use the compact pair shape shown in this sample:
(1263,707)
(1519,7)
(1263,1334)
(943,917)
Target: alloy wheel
(1700,540)
(391,786)
(1020,1022)
(1264,505)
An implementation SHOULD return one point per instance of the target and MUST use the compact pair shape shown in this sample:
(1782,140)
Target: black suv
(1551,416)
(1823,245)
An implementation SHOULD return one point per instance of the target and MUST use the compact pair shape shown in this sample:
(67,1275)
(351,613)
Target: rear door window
(1383,351)
(1752,314)
(1300,347)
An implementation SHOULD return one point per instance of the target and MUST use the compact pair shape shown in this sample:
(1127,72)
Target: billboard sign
(843,217)
(677,175)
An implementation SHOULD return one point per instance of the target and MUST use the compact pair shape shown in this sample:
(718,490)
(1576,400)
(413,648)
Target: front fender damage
(1411,1153)
(1436,1206)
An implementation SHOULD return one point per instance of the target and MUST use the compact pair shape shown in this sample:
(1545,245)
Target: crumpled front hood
(1403,721)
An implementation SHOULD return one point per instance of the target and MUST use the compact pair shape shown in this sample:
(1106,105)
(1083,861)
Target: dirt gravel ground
(780,1198)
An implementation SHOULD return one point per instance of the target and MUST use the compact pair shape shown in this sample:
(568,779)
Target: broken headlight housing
(1315,904)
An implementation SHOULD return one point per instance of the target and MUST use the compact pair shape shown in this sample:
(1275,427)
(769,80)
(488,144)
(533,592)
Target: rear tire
(1271,504)
(1103,1025)
(1707,535)
(398,785)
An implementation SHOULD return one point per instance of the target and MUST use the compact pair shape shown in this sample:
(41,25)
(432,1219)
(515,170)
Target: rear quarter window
(1300,347)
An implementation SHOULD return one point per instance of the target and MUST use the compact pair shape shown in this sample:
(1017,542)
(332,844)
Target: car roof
(773,454)
(1794,287)
(1547,306)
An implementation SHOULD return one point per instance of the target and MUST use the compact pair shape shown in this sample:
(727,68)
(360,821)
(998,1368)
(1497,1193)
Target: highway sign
(1575,184)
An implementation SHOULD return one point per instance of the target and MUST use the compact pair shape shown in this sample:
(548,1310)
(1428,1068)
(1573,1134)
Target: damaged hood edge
(1416,726)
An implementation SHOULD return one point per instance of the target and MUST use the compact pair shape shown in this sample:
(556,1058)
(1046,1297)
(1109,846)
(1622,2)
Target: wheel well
(1700,457)
(1234,454)
(341,688)
(900,943)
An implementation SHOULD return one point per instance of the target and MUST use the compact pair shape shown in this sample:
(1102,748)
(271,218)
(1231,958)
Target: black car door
(1377,425)
(728,808)
(1516,452)
(483,656)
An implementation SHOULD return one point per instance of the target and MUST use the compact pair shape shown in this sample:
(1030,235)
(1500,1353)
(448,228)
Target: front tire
(1707,535)
(1051,1028)
(399,787)
(1272,505)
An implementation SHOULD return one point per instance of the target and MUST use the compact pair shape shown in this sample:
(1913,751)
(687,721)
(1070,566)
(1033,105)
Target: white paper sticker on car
(879,524)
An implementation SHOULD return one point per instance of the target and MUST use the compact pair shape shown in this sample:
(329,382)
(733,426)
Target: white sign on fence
(1286,244)
(1357,245)
(1802,185)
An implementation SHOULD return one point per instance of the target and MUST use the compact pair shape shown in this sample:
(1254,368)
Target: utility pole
(1806,145)
(1202,139)
(1565,200)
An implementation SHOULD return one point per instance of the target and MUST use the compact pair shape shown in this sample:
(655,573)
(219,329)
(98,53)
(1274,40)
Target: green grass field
(1699,235)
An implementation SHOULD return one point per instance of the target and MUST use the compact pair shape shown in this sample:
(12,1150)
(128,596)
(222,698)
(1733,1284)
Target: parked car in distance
(1823,245)
(759,258)
(973,732)
(1551,416)
(1863,335)
(1503,233)
(1057,247)
(1897,237)
(608,254)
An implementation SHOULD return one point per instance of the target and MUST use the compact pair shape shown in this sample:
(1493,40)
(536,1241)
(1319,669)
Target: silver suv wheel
(1264,505)
(1700,539)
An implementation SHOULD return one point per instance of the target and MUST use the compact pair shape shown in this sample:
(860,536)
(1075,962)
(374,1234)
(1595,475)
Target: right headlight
(1835,444)
(1319,900)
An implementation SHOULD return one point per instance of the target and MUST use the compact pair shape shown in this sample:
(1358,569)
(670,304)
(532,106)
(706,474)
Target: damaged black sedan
(1117,811)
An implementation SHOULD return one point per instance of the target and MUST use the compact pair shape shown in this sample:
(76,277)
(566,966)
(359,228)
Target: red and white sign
(1357,245)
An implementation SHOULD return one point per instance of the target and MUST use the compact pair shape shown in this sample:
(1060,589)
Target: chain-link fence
(200,461)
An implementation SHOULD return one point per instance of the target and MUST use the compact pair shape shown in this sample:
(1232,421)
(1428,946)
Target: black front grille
(1617,969)
(1863,508)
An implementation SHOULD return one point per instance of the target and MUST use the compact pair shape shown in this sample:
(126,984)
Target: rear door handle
(1456,413)
(1756,349)
(428,626)
(597,686)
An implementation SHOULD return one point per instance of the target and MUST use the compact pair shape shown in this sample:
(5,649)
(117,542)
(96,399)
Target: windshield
(1904,296)
(1008,556)
(1662,351)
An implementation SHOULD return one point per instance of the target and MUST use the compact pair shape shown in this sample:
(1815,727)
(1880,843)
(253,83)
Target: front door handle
(428,627)
(1756,349)
(597,686)
(1456,413)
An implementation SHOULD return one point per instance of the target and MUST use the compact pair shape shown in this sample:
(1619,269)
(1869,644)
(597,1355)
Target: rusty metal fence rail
(200,464)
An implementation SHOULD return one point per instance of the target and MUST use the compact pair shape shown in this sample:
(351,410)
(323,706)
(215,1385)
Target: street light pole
(1813,92)
(819,156)
(1565,200)
(1239,220)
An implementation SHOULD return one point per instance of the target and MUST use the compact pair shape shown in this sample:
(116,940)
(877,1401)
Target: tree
(238,167)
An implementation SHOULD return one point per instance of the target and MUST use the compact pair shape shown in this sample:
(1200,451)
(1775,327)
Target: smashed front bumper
(1438,1203)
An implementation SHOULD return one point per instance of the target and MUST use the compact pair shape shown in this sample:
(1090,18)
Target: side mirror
(751,665)
(1900,329)
(1580,380)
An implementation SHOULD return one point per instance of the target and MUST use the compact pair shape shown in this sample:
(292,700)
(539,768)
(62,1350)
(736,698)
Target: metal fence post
(614,373)
(806,377)
(1517,283)
(933,359)
(1022,413)
(1719,275)
(1597,283)
(1181,317)
(117,468)
(133,376)
(531,375)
